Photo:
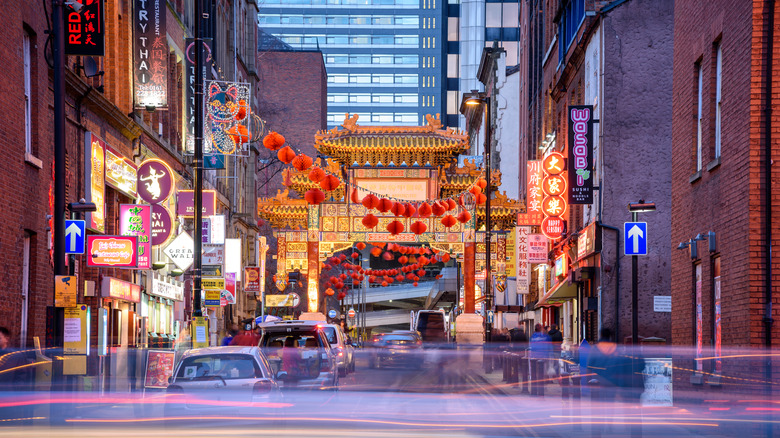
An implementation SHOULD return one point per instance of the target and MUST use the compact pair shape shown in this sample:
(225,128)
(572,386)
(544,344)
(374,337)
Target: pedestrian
(520,346)
(232,332)
(556,339)
(540,355)
(248,337)
(12,375)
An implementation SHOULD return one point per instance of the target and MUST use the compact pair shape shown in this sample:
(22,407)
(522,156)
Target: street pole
(198,162)
(488,227)
(634,294)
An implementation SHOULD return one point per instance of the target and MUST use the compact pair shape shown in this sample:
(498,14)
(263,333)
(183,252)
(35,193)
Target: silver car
(233,376)
(342,347)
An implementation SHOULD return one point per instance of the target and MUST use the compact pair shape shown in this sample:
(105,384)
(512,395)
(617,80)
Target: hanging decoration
(395,227)
(302,162)
(437,209)
(286,155)
(370,221)
(418,227)
(398,209)
(329,183)
(370,202)
(273,141)
(385,205)
(424,210)
(226,110)
(314,196)
(464,216)
(360,246)
(448,221)
(354,197)
(316,174)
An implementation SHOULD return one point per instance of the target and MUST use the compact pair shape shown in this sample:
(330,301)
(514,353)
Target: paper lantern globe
(482,183)
(424,210)
(403,260)
(355,255)
(371,278)
(286,155)
(390,280)
(387,256)
(354,197)
(451,204)
(273,141)
(329,292)
(316,174)
(398,209)
(480,198)
(239,134)
(376,252)
(385,205)
(437,209)
(370,221)
(410,210)
(422,260)
(302,162)
(399,277)
(340,285)
(360,246)
(448,221)
(445,257)
(333,280)
(342,276)
(474,190)
(464,216)
(416,278)
(341,295)
(370,201)
(418,227)
(329,183)
(384,284)
(342,257)
(395,227)
(380,244)
(314,196)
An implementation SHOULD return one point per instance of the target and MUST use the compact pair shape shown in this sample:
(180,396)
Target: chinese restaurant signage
(186,203)
(181,251)
(522,271)
(588,241)
(534,196)
(155,181)
(84,31)
(121,173)
(252,279)
(162,225)
(112,251)
(537,248)
(172,290)
(123,290)
(94,181)
(581,154)
(561,266)
(554,203)
(189,144)
(150,54)
(136,220)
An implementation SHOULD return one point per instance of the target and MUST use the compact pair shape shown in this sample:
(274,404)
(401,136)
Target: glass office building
(385,59)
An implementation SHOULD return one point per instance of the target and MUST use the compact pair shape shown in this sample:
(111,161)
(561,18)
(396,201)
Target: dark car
(300,355)
(396,349)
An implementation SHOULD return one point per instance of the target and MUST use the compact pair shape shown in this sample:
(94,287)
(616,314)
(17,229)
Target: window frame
(718,98)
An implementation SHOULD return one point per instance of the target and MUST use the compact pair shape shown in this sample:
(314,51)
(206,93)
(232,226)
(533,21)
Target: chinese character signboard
(522,271)
(136,220)
(112,251)
(123,290)
(581,154)
(537,248)
(84,32)
(534,196)
(150,54)
(554,203)
(94,181)
(252,280)
(186,203)
(189,144)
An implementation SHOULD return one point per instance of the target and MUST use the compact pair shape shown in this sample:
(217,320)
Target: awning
(562,291)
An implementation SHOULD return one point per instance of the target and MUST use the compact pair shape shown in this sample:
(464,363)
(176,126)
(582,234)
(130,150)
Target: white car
(342,347)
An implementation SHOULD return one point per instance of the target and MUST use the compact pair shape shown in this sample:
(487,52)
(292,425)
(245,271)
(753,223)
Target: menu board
(159,367)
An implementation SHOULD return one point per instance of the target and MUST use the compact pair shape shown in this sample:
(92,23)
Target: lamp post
(480,99)
(197,162)
(635,208)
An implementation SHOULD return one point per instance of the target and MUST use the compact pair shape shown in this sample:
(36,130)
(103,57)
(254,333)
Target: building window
(453,28)
(453,102)
(493,14)
(26,48)
(510,15)
(718,96)
(25,288)
(699,80)
(571,17)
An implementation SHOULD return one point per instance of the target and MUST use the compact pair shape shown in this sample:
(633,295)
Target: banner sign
(581,154)
(213,254)
(252,279)
(229,293)
(112,251)
(150,54)
(123,290)
(136,220)
(121,173)
(186,203)
(189,109)
(159,367)
(84,31)
(537,248)
(522,270)
(284,300)
(170,289)
(534,196)
(94,181)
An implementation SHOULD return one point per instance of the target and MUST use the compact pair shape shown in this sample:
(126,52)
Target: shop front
(161,312)
(120,300)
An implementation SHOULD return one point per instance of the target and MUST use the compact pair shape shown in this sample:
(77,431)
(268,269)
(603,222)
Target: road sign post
(635,238)
(74,236)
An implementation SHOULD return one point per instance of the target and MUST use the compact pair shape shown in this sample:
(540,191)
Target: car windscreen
(226,366)
(330,334)
(296,338)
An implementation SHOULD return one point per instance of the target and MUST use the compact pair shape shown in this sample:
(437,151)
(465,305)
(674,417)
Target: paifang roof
(429,145)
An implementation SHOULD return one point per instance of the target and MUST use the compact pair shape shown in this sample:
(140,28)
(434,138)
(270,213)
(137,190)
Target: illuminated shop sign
(121,173)
(94,181)
(535,195)
(150,54)
(136,220)
(581,154)
(554,203)
(84,31)
(112,251)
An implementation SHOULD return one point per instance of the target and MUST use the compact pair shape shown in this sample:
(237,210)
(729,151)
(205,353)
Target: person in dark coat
(248,337)
(520,346)
(540,352)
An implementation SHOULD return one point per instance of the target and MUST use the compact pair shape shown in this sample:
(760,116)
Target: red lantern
(422,260)
(437,209)
(355,282)
(239,134)
(355,255)
(418,227)
(329,183)
(482,183)
(370,201)
(410,210)
(395,227)
(384,284)
(438,276)
(273,141)
(342,257)
(399,277)
(360,246)
(286,155)
(421,272)
(302,162)
(370,221)
(314,196)
(329,292)
(480,198)
(464,216)
(451,204)
(448,221)
(445,257)
(416,278)
(341,295)
(398,209)
(376,252)
(316,174)
(424,210)
(414,284)
(342,276)
(385,205)
(354,197)
(403,260)
(387,256)
(474,190)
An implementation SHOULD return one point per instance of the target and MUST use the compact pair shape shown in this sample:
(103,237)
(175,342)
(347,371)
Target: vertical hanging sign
(581,154)
(95,182)
(136,220)
(190,89)
(84,32)
(534,197)
(522,271)
(150,54)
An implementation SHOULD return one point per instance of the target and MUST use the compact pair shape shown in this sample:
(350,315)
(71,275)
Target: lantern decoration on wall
(376,251)
(370,201)
(438,209)
(418,227)
(403,260)
(424,210)
(448,221)
(286,155)
(464,216)
(482,183)
(398,209)
(387,256)
(316,174)
(302,162)
(314,196)
(480,198)
(354,197)
(370,221)
(451,204)
(355,255)
(409,210)
(385,205)
(329,183)
(273,141)
(395,227)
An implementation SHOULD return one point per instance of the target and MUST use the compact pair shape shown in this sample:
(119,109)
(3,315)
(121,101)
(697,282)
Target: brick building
(724,202)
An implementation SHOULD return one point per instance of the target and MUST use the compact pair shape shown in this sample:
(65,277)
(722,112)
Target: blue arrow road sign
(635,238)
(74,237)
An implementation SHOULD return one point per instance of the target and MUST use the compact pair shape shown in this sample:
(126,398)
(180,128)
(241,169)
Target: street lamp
(635,208)
(477,98)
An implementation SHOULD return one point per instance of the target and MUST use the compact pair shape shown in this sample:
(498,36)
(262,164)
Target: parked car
(403,349)
(299,354)
(342,346)
(226,374)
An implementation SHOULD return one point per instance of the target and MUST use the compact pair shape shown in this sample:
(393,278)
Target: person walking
(556,340)
(540,354)
(248,337)
(520,346)
(230,334)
